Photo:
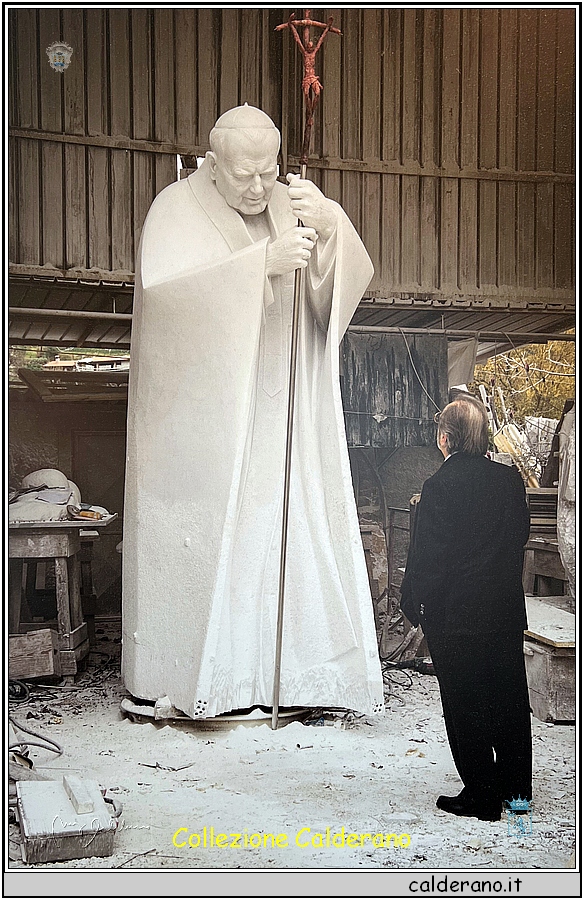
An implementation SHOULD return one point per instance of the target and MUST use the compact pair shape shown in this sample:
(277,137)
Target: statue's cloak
(204,480)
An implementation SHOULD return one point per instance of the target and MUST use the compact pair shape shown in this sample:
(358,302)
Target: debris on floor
(350,774)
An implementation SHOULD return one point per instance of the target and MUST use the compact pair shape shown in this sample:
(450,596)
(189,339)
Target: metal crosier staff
(311,88)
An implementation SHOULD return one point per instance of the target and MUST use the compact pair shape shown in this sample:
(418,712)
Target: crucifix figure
(311,86)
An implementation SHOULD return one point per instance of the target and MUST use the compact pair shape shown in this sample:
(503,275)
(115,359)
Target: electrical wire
(16,687)
(422,385)
(55,748)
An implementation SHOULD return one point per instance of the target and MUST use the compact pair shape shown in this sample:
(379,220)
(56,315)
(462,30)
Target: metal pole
(287,470)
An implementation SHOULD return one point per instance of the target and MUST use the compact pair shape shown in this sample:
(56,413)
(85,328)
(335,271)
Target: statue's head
(243,158)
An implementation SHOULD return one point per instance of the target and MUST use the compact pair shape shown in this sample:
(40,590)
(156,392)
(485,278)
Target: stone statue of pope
(206,443)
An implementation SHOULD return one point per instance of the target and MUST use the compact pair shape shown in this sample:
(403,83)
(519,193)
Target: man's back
(466,563)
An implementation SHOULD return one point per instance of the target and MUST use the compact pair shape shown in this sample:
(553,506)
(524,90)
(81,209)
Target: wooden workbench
(62,651)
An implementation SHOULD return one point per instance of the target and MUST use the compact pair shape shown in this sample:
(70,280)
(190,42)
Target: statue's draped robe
(205,462)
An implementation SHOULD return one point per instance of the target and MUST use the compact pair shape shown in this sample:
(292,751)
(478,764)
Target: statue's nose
(256,185)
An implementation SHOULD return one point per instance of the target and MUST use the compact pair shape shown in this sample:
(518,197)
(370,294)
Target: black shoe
(487,811)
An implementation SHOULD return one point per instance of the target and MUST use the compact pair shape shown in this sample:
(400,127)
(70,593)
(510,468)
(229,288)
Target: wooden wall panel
(447,134)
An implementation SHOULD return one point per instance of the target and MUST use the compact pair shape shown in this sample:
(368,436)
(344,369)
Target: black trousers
(485,701)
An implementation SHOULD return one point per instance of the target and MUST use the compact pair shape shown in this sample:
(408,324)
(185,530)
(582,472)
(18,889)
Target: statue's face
(245,174)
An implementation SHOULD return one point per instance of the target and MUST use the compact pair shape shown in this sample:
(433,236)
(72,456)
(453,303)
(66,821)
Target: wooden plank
(29,238)
(350,111)
(565,91)
(507,235)
(74,77)
(392,81)
(488,101)
(164,75)
(526,235)
(11,32)
(249,57)
(27,73)
(411,61)
(469,111)
(468,236)
(164,172)
(97,74)
(488,235)
(207,64)
(142,78)
(450,156)
(564,239)
(507,87)
(121,209)
(351,119)
(271,66)
(13,205)
(410,234)
(390,235)
(544,235)
(527,99)
(230,43)
(371,188)
(50,82)
(143,195)
(52,155)
(186,76)
(52,205)
(429,232)
(546,88)
(331,109)
(99,236)
(430,91)
(74,162)
(371,106)
(449,233)
(75,207)
(120,173)
(119,71)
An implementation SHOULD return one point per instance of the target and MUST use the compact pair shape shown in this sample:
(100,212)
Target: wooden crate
(550,661)
(34,655)
(551,676)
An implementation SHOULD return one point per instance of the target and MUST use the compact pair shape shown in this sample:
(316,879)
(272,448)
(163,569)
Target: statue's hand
(311,206)
(290,251)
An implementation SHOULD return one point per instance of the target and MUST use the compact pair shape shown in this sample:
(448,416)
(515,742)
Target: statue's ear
(212,163)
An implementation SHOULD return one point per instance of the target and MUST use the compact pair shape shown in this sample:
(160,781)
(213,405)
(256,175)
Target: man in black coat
(463,585)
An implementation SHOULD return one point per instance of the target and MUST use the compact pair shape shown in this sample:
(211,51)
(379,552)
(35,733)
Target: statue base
(142,711)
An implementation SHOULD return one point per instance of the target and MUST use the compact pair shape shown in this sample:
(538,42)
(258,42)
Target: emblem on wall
(59,54)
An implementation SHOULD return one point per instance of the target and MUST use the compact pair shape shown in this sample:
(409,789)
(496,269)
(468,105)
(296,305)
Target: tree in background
(535,379)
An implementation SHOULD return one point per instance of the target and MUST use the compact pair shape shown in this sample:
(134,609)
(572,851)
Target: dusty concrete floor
(373,776)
